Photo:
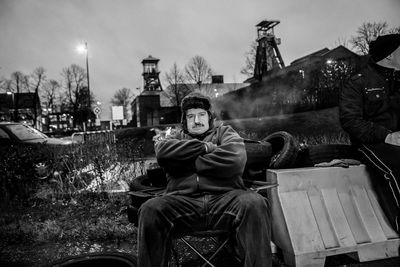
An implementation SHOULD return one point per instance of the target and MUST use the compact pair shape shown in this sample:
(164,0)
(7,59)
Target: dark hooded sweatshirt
(191,170)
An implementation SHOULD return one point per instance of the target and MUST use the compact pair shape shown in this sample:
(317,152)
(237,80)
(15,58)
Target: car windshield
(25,132)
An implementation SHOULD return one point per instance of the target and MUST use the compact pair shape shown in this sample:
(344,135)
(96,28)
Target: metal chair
(220,241)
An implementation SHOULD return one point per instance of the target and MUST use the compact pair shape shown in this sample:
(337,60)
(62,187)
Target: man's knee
(151,209)
(253,202)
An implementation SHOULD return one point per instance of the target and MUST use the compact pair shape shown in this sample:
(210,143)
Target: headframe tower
(268,56)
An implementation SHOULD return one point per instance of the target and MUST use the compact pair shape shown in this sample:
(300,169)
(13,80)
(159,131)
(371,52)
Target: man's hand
(210,147)
(161,135)
(393,139)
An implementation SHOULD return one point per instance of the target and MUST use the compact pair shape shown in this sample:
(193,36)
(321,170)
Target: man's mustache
(198,125)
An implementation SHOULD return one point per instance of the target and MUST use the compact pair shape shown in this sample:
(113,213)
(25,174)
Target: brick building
(21,107)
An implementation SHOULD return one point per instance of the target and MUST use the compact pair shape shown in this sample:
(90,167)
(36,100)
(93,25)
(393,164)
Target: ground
(37,233)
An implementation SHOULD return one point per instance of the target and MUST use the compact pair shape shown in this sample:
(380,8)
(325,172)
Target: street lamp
(83,48)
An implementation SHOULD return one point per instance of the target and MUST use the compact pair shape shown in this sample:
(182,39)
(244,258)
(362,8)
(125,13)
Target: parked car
(35,150)
(12,133)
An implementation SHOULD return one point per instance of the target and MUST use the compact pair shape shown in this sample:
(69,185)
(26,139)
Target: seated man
(204,163)
(369,111)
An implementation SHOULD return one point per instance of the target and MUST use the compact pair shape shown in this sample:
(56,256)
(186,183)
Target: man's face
(392,61)
(197,120)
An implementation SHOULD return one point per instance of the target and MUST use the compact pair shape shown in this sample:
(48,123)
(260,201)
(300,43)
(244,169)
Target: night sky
(120,33)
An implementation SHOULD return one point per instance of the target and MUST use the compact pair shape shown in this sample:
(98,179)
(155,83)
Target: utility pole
(87,71)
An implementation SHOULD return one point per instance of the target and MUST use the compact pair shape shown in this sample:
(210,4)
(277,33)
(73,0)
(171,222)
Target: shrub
(62,173)
(17,171)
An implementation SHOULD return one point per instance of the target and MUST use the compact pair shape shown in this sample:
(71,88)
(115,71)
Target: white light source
(81,49)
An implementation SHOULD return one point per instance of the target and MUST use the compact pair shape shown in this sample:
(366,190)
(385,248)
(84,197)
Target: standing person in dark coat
(204,163)
(370,113)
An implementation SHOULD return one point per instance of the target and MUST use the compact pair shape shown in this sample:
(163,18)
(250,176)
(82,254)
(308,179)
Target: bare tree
(177,88)
(74,79)
(123,98)
(198,71)
(49,93)
(366,33)
(5,84)
(38,77)
(394,30)
(17,84)
(342,41)
(250,61)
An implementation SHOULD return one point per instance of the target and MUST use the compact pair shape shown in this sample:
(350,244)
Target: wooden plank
(338,218)
(352,214)
(378,250)
(301,224)
(386,228)
(367,214)
(321,216)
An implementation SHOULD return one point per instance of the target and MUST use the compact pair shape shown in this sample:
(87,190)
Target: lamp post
(87,70)
(11,94)
(84,49)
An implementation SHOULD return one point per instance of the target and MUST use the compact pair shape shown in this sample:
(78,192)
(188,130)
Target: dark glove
(345,163)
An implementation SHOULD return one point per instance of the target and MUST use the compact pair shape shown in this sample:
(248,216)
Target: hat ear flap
(183,121)
(211,118)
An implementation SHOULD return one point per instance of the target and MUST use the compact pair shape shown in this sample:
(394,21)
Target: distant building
(21,107)
(146,106)
(303,85)
(215,90)
(317,60)
(308,83)
(56,122)
(155,106)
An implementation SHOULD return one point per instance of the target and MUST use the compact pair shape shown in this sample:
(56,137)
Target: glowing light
(81,49)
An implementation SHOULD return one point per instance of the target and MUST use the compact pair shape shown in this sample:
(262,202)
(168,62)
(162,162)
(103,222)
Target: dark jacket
(190,169)
(369,105)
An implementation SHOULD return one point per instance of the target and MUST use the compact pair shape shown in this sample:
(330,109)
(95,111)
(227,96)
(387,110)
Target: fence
(106,136)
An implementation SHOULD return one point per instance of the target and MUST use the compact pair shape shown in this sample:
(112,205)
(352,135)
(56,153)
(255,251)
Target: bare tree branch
(250,60)
(76,91)
(49,93)
(366,33)
(123,97)
(198,71)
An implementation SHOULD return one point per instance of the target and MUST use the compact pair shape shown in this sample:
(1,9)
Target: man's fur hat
(195,100)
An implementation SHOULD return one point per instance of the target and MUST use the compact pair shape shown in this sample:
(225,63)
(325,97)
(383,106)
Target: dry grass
(314,127)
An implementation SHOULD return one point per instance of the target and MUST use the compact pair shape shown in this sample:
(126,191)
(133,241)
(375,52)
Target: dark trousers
(384,161)
(244,213)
